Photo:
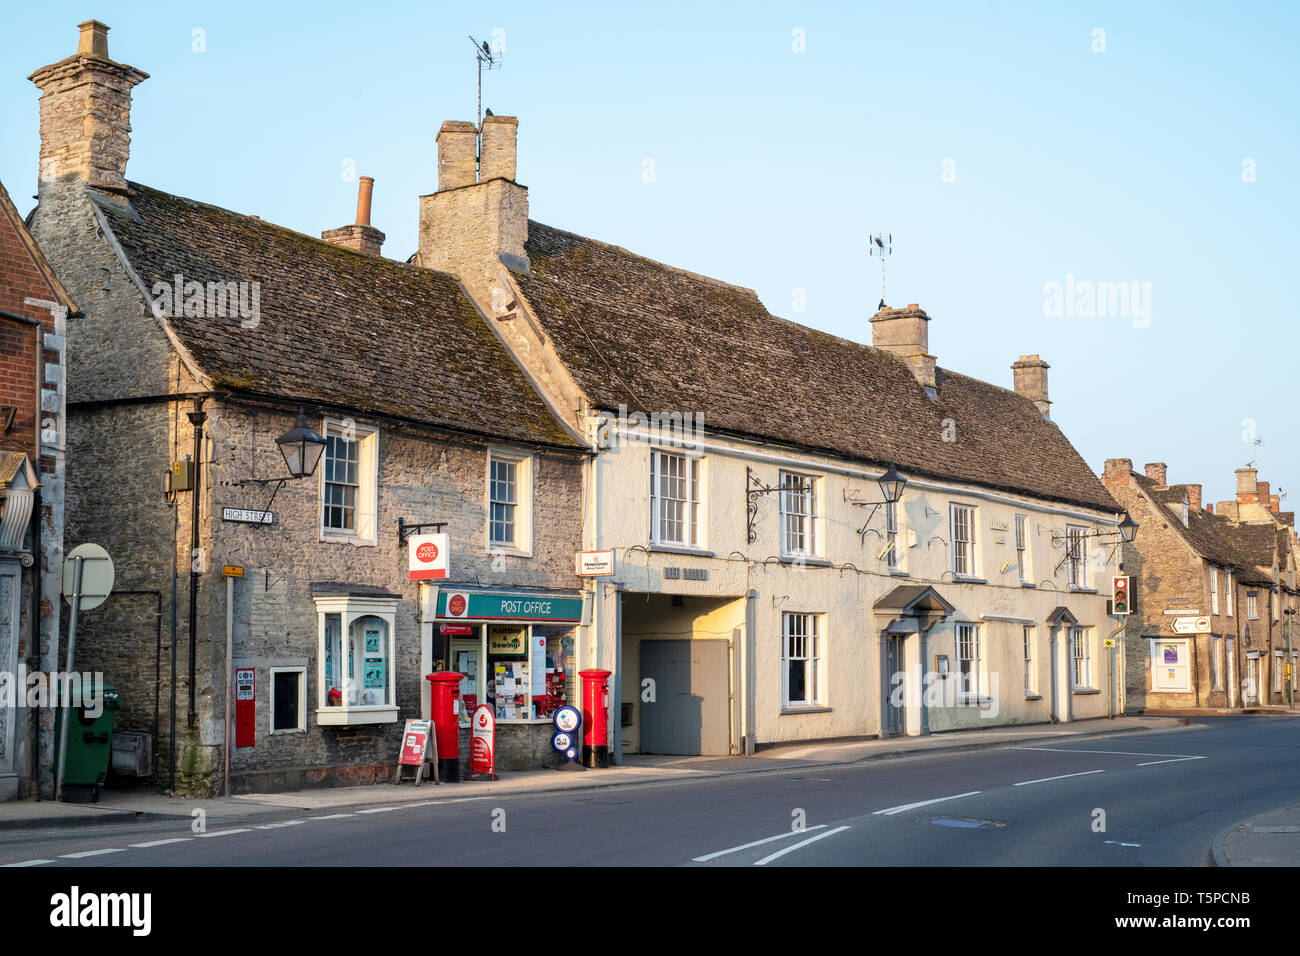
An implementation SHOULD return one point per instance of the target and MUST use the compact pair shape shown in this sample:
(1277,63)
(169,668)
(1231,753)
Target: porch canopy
(909,608)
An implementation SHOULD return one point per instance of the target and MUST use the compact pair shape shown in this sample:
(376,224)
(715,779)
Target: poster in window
(1171,654)
(372,641)
(374,672)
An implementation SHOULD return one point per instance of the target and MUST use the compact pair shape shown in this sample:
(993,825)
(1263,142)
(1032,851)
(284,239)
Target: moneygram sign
(427,556)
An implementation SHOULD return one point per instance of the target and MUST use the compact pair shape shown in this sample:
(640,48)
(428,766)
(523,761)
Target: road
(1161,796)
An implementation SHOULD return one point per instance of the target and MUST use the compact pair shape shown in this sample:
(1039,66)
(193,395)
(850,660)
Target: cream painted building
(762,592)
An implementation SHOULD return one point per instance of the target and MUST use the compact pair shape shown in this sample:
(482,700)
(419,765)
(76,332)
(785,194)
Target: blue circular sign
(568,719)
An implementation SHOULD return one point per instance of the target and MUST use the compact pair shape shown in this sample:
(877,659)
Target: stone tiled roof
(636,332)
(336,327)
(1217,539)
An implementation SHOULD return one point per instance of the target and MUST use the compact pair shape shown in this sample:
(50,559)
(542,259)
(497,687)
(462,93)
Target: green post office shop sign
(495,606)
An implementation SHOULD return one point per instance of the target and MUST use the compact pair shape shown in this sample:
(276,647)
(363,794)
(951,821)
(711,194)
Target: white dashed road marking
(1025,783)
(30,863)
(331,816)
(1117,753)
(746,846)
(153,843)
(801,843)
(86,853)
(1152,763)
(379,810)
(221,833)
(890,811)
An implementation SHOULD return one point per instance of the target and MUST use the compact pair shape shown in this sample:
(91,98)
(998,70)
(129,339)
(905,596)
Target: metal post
(72,646)
(230,643)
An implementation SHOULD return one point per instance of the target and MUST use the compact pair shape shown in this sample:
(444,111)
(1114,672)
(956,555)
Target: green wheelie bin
(90,742)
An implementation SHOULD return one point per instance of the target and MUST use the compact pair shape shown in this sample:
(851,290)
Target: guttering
(748,454)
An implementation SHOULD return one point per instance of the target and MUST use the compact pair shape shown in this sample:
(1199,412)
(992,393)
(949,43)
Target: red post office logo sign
(483,739)
(427,556)
(457,605)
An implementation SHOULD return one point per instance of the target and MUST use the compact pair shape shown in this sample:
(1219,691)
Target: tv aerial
(487,59)
(881,244)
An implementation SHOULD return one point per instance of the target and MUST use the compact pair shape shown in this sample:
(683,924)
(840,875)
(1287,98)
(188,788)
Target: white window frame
(692,504)
(1081,638)
(1076,556)
(301,671)
(967,637)
(1276,606)
(1158,685)
(1029,638)
(1214,590)
(365,521)
(1227,590)
(971,513)
(522,543)
(1023,557)
(893,554)
(351,608)
(798,490)
(1216,663)
(814,661)
(1279,662)
(1252,605)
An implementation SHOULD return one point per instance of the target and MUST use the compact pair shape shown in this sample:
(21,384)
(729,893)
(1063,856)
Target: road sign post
(91,571)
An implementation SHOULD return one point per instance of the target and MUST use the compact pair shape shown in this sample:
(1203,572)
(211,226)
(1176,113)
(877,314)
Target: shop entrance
(894,669)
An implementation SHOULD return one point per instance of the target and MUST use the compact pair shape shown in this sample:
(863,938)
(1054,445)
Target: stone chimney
(1194,497)
(500,134)
(472,227)
(1029,379)
(1118,472)
(1247,486)
(361,236)
(86,115)
(905,332)
(1157,471)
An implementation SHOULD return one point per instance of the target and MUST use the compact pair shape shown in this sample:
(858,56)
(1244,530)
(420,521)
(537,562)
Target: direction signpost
(87,583)
(1191,625)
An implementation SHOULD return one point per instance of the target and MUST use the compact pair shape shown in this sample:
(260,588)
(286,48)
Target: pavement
(1269,839)
(121,806)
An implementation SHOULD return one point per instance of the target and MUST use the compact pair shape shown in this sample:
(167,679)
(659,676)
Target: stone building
(761,593)
(1190,563)
(34,309)
(209,334)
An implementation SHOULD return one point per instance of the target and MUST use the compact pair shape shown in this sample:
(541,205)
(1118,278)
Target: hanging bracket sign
(427,556)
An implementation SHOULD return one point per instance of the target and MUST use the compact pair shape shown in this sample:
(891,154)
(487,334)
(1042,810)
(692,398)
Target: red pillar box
(595,718)
(444,691)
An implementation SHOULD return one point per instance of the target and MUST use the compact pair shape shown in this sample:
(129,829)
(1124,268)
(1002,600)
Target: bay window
(355,656)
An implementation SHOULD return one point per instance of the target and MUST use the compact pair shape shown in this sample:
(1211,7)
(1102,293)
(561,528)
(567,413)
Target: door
(1251,688)
(1232,672)
(894,703)
(689,713)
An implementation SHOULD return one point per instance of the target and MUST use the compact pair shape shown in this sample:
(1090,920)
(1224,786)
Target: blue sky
(1001,151)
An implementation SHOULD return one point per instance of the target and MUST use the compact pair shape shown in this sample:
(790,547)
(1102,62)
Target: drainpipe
(197,418)
(751,708)
(34,645)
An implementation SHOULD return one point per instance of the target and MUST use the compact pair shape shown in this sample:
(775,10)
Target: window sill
(792,709)
(1086,690)
(510,551)
(1028,584)
(969,579)
(1075,589)
(289,732)
(349,717)
(899,574)
(974,701)
(1033,696)
(806,560)
(676,549)
(328,538)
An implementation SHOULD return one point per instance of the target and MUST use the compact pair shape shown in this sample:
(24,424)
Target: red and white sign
(483,741)
(427,556)
(415,741)
(245,707)
(457,604)
(456,630)
(595,564)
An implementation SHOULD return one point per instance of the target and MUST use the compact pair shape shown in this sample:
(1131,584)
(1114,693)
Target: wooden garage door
(689,713)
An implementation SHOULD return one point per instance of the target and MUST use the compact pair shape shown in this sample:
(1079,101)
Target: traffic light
(1121,603)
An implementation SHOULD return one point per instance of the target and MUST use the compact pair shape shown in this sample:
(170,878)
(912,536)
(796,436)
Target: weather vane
(882,245)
